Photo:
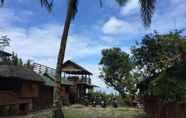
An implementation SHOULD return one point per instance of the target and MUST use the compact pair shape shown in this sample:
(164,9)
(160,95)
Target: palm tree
(147,10)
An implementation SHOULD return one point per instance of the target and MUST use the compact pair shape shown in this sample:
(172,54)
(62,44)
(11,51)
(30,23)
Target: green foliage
(147,11)
(159,52)
(116,67)
(103,95)
(15,59)
(28,64)
(163,62)
(169,86)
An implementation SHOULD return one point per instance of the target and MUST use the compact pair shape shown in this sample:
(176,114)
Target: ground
(90,112)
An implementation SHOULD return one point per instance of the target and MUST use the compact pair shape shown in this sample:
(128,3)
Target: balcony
(84,80)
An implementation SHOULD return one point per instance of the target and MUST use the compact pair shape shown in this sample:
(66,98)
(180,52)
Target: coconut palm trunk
(58,112)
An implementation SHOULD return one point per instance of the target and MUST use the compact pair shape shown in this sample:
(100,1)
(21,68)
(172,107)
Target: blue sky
(35,33)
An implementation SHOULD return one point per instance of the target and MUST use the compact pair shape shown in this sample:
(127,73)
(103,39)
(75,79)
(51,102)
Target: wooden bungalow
(18,87)
(23,89)
(4,57)
(76,80)
(45,95)
(81,79)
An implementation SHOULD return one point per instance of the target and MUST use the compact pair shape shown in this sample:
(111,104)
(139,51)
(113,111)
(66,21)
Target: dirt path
(41,114)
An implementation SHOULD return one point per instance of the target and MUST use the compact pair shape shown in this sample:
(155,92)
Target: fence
(156,109)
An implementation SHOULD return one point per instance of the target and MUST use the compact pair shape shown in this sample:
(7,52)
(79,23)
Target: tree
(28,64)
(15,59)
(158,52)
(147,9)
(161,57)
(115,70)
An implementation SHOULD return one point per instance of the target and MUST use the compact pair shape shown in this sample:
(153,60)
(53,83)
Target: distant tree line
(13,59)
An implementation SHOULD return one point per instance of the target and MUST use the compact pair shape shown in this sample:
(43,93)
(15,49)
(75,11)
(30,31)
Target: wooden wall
(155,109)
(45,98)
(29,89)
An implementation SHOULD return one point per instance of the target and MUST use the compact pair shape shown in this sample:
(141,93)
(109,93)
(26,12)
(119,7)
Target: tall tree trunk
(58,112)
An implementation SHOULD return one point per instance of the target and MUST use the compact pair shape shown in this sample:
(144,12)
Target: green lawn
(89,112)
(78,111)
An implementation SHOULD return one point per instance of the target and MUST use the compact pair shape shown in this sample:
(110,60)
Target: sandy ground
(40,114)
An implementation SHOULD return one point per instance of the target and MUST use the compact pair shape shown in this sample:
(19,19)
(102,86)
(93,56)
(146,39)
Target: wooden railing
(85,81)
(41,69)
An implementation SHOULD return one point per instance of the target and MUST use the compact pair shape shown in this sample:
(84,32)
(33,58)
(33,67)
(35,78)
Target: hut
(45,94)
(4,57)
(81,79)
(76,81)
(18,87)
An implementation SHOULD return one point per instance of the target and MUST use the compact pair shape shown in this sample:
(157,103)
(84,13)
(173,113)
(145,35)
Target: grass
(89,112)
(79,111)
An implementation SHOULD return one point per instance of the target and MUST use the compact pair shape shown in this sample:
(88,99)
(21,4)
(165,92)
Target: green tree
(116,68)
(20,62)
(161,57)
(158,52)
(28,64)
(147,9)
(15,59)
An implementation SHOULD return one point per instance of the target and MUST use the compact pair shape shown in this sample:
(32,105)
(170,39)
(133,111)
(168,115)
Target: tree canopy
(158,52)
(116,67)
(162,61)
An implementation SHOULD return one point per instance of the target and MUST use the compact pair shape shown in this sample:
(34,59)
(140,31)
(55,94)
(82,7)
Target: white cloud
(170,18)
(177,1)
(109,40)
(41,43)
(79,45)
(6,16)
(118,26)
(34,43)
(131,8)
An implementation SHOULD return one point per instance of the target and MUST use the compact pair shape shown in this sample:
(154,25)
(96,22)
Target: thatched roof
(3,53)
(12,71)
(70,67)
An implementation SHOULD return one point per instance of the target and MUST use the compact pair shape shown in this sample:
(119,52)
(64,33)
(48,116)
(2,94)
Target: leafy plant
(162,61)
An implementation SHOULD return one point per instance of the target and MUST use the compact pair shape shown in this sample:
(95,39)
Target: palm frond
(147,11)
(101,3)
(2,2)
(47,3)
(122,2)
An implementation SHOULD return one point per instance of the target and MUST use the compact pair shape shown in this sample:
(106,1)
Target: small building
(76,80)
(80,79)
(4,57)
(45,96)
(18,87)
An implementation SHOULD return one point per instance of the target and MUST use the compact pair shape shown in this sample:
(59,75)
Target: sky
(35,33)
